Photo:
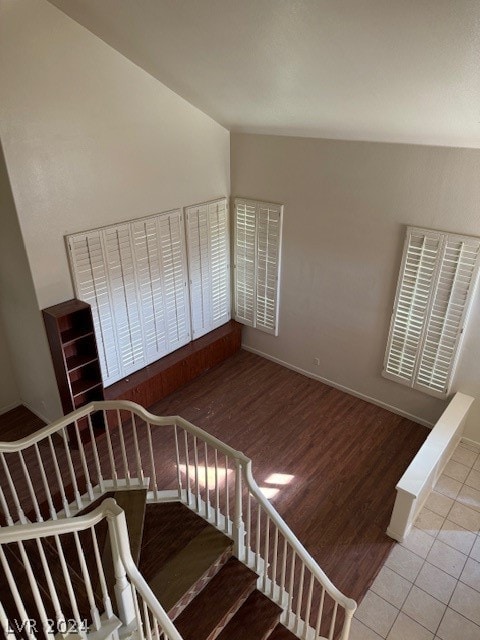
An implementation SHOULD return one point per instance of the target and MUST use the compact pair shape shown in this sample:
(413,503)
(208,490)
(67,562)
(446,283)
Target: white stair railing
(43,476)
(88,607)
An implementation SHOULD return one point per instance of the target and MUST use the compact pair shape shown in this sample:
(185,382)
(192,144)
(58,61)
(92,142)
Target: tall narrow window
(257,245)
(208,265)
(437,279)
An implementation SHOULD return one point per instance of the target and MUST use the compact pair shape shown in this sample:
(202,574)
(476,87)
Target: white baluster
(137,616)
(195,463)
(187,470)
(84,462)
(51,508)
(267,550)
(146,617)
(13,491)
(5,508)
(50,583)
(275,562)
(257,538)
(320,614)
(227,499)
(140,474)
(152,459)
(68,581)
(300,597)
(291,584)
(332,624)
(88,582)
(22,612)
(101,575)
(248,527)
(5,623)
(309,606)
(123,448)
(177,460)
(283,573)
(217,490)
(238,526)
(95,452)
(31,490)
(207,490)
(56,467)
(32,581)
(113,465)
(71,468)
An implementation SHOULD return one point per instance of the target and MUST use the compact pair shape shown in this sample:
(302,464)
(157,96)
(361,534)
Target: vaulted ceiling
(386,70)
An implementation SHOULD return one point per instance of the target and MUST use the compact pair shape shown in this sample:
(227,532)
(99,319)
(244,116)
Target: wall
(9,394)
(29,363)
(90,139)
(346,208)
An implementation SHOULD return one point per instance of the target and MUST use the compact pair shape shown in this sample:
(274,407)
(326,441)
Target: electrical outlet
(316,361)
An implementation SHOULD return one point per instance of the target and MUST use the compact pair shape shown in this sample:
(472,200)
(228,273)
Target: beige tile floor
(429,588)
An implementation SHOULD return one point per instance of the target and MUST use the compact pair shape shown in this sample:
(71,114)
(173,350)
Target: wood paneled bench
(157,380)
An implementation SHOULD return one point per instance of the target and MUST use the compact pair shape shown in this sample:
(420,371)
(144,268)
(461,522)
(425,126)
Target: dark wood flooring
(18,423)
(345,457)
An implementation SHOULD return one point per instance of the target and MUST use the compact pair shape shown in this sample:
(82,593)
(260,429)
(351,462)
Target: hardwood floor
(18,423)
(345,457)
(340,455)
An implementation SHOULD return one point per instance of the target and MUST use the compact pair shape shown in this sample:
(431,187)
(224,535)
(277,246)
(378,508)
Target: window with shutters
(257,252)
(134,276)
(437,280)
(209,265)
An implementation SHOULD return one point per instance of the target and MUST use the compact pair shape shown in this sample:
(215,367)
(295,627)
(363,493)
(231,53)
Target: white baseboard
(341,387)
(9,407)
(39,415)
(472,443)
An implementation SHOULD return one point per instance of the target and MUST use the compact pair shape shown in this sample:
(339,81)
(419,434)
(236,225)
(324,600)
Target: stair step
(212,609)
(254,620)
(188,572)
(282,633)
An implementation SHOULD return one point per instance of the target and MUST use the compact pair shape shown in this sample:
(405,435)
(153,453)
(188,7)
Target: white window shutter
(174,271)
(208,264)
(88,264)
(450,304)
(121,274)
(257,245)
(437,280)
(268,266)
(150,287)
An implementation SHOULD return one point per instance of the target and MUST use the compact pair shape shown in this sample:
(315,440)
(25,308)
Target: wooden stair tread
(282,633)
(217,603)
(190,569)
(168,528)
(254,620)
(133,502)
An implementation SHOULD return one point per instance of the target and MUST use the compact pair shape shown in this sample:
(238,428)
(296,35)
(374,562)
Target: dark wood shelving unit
(71,337)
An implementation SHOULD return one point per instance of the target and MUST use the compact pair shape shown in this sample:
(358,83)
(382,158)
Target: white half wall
(91,139)
(9,394)
(346,208)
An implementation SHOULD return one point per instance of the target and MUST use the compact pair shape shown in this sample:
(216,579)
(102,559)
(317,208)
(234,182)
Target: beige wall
(346,207)
(91,139)
(9,394)
(30,366)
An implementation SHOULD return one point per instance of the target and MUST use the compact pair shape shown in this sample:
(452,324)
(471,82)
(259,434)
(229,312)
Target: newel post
(238,524)
(123,589)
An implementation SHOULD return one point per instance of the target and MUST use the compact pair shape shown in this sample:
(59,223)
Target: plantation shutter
(174,270)
(87,258)
(208,264)
(437,280)
(150,287)
(120,269)
(134,276)
(257,244)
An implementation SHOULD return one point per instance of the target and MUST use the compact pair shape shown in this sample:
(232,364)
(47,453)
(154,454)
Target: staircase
(201,546)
